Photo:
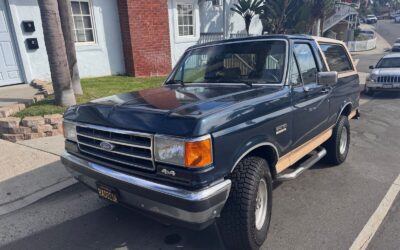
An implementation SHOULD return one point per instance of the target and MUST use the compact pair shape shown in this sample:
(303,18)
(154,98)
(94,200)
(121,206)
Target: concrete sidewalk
(22,93)
(30,171)
(382,46)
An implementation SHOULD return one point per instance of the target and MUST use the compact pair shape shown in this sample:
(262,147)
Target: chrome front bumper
(383,86)
(195,209)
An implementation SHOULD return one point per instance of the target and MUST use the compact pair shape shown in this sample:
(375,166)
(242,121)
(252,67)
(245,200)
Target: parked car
(230,120)
(368,33)
(371,19)
(385,76)
(396,45)
(397,19)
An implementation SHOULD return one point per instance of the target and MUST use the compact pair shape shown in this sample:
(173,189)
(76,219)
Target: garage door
(9,70)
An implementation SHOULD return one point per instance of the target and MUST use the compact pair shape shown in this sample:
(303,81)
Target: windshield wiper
(172,81)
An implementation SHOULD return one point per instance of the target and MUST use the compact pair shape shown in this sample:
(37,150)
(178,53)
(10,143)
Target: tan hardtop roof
(327,40)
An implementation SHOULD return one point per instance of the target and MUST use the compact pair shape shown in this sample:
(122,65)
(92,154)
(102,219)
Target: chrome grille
(389,79)
(130,149)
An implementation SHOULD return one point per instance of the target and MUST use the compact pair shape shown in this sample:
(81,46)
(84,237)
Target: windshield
(397,41)
(371,15)
(389,63)
(244,62)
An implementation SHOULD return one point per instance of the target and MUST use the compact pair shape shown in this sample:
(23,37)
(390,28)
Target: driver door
(310,100)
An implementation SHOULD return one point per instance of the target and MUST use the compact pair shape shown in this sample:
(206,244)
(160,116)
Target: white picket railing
(342,11)
(355,46)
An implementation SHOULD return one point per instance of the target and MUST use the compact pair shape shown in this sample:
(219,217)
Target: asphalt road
(325,208)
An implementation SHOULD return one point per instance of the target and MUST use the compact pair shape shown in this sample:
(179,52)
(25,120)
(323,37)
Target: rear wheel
(339,143)
(246,216)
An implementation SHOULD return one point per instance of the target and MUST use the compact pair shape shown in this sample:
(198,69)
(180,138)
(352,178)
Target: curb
(24,201)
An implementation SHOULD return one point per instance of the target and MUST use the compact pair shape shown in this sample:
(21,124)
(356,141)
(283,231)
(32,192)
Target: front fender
(253,144)
(346,107)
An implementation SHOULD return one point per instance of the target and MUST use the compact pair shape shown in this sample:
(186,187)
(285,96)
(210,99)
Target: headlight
(70,131)
(372,78)
(191,153)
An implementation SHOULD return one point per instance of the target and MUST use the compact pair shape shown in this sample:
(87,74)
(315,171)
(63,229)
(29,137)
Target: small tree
(248,9)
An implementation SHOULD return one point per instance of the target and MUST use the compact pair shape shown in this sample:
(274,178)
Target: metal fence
(210,37)
(355,46)
(216,36)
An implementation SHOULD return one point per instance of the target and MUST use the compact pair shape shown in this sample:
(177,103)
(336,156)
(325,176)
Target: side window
(294,78)
(336,57)
(308,66)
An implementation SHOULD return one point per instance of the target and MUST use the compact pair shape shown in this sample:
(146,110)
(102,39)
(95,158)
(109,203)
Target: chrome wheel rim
(343,141)
(261,204)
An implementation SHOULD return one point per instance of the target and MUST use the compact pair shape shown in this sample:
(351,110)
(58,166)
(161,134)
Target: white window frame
(196,21)
(92,19)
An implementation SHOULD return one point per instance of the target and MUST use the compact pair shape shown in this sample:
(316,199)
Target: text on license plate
(388,86)
(107,193)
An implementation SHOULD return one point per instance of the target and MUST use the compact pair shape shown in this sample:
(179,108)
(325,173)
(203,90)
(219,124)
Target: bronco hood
(169,109)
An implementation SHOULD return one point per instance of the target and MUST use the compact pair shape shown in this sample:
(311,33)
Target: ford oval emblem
(107,146)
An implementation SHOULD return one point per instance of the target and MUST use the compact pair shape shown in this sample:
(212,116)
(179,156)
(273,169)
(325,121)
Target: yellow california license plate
(107,193)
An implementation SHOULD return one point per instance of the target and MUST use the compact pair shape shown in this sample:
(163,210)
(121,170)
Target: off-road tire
(237,223)
(334,155)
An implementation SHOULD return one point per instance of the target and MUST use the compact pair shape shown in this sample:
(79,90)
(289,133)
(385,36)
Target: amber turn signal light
(198,153)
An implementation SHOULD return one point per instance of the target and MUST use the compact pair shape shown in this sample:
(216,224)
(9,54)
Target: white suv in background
(385,75)
(370,19)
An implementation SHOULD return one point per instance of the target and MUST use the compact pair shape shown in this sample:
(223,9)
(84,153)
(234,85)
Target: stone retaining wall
(14,129)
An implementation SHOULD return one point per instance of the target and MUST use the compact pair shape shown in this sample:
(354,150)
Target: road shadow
(114,227)
(31,184)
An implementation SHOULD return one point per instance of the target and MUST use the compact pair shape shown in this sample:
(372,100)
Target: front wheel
(339,143)
(245,219)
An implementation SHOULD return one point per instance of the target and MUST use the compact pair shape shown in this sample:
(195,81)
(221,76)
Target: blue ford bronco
(233,117)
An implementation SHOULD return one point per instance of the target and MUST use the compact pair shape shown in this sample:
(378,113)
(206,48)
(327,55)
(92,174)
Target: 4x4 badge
(168,172)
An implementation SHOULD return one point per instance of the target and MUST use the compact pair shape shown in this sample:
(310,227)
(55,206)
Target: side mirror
(327,78)
(371,67)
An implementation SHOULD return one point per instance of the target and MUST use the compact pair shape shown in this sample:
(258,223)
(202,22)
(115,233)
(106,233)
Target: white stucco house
(98,42)
(207,20)
(133,37)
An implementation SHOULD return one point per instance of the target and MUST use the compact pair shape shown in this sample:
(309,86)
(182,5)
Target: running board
(315,156)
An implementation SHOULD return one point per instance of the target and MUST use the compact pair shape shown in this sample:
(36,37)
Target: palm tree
(56,52)
(319,11)
(248,9)
(64,7)
(280,16)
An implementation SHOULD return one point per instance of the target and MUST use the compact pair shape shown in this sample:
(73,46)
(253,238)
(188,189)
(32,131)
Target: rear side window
(336,57)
